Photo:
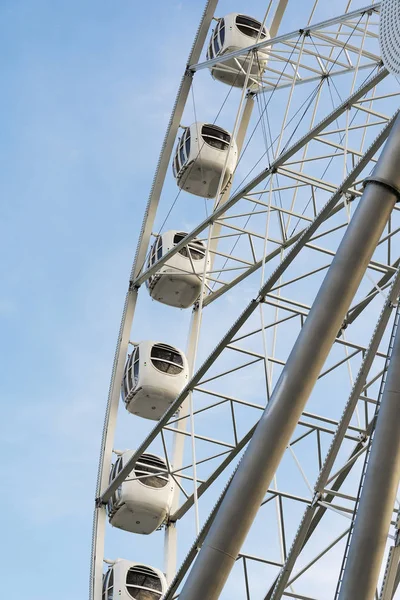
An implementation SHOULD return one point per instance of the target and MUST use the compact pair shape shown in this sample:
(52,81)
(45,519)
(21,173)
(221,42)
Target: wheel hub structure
(256,452)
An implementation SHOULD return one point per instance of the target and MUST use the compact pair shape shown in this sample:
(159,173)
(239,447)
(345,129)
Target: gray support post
(389,578)
(276,21)
(261,459)
(378,495)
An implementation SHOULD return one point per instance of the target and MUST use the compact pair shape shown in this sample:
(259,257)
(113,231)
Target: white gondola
(143,501)
(200,158)
(154,376)
(125,580)
(178,282)
(235,32)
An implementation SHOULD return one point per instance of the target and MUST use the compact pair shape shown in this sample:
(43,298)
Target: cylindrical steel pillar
(379,493)
(261,459)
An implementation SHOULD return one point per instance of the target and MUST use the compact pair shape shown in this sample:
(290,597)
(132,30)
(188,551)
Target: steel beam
(344,187)
(390,576)
(356,310)
(378,494)
(313,514)
(316,78)
(170,540)
(110,420)
(288,36)
(276,21)
(272,435)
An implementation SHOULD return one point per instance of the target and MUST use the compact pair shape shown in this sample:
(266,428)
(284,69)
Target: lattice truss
(324,111)
(314,51)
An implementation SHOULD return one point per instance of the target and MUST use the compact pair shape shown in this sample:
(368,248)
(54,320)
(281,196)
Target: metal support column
(378,494)
(390,576)
(259,463)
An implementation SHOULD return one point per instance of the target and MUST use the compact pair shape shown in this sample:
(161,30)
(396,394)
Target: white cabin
(143,501)
(154,376)
(235,32)
(205,153)
(178,282)
(125,580)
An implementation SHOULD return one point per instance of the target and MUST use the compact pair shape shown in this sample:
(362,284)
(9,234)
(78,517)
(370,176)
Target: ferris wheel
(251,444)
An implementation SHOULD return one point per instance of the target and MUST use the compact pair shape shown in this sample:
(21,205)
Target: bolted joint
(343,326)
(317,497)
(250,94)
(397,538)
(362,437)
(132,287)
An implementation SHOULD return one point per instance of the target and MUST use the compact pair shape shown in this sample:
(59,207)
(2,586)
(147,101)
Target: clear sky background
(83,106)
(86,93)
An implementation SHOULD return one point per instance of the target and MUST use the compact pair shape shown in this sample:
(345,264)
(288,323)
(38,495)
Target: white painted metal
(313,29)
(110,421)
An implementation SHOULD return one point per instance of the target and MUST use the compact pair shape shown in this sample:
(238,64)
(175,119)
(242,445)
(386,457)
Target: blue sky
(81,128)
(87,89)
